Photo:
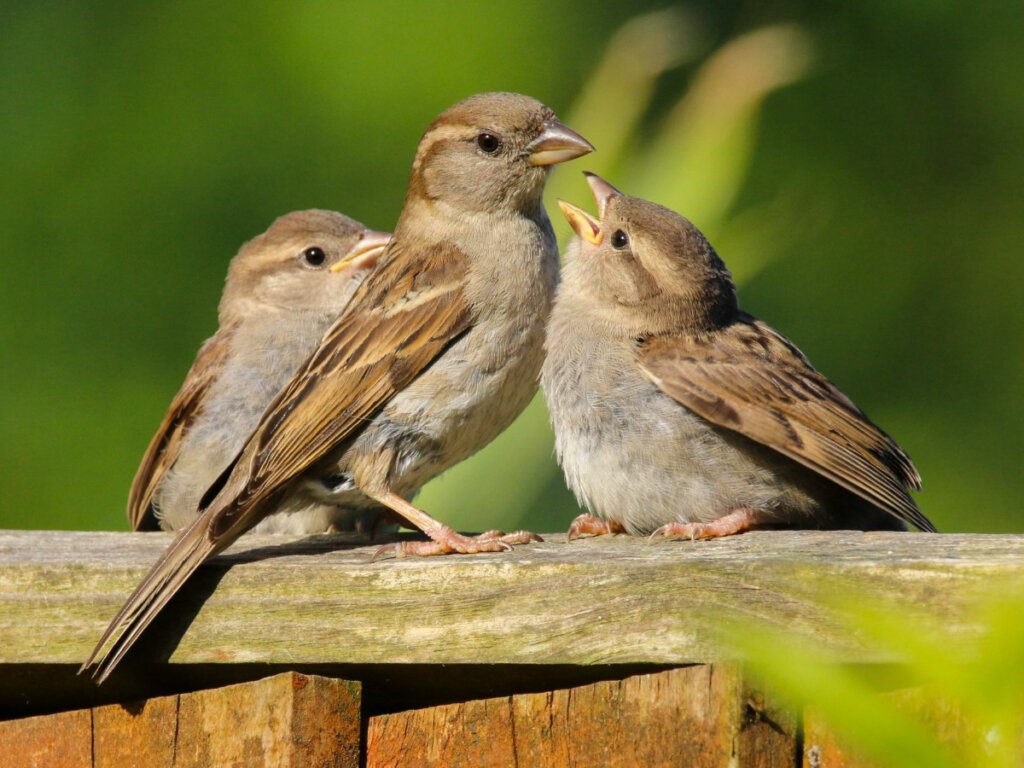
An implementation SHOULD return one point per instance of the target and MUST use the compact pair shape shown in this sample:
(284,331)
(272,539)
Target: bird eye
(488,142)
(619,240)
(314,256)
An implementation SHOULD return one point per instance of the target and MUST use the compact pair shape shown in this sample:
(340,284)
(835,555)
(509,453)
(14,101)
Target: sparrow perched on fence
(437,352)
(284,289)
(677,413)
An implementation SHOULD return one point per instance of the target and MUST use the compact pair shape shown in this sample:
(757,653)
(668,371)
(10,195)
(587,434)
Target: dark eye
(314,256)
(488,142)
(619,240)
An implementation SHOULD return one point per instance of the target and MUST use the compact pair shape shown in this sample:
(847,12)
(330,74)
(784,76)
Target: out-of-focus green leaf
(857,166)
(966,707)
(795,670)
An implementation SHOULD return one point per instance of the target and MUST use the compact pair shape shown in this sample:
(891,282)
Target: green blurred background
(859,166)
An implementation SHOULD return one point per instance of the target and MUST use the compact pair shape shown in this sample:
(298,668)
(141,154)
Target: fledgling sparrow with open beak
(438,351)
(284,289)
(677,413)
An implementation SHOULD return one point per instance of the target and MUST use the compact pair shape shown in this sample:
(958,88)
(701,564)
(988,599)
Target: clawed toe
(591,525)
(448,542)
(737,521)
(385,552)
(691,531)
(521,537)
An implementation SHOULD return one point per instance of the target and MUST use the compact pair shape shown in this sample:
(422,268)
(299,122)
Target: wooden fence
(608,651)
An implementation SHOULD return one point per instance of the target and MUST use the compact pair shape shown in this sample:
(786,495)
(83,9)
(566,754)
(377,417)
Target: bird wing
(166,443)
(753,380)
(396,325)
(402,317)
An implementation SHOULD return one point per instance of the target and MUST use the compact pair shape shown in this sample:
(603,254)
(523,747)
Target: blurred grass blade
(987,675)
(700,159)
(798,672)
(616,97)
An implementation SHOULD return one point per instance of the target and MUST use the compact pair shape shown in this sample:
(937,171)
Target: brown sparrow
(438,351)
(677,413)
(284,289)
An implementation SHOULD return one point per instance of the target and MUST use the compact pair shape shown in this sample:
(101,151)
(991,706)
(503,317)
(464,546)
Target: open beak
(603,192)
(556,144)
(585,225)
(365,253)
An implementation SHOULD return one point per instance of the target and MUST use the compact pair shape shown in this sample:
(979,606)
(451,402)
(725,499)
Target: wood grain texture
(143,734)
(611,600)
(63,740)
(695,716)
(269,723)
(289,720)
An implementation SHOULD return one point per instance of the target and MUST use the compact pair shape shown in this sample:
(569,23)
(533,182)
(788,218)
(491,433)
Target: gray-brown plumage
(284,289)
(438,351)
(677,413)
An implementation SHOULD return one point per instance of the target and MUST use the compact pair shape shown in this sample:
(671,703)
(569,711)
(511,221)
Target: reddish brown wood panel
(698,716)
(293,720)
(54,741)
(326,724)
(140,734)
(268,723)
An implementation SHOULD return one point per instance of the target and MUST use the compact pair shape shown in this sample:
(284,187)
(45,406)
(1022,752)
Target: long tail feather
(190,550)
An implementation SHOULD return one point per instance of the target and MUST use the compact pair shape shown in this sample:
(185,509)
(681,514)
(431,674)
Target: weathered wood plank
(286,720)
(602,601)
(63,740)
(290,720)
(144,733)
(696,716)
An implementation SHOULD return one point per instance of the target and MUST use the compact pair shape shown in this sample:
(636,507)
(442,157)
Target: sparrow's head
(492,152)
(643,261)
(308,260)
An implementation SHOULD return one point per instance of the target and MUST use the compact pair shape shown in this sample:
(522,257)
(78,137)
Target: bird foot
(591,525)
(445,541)
(738,521)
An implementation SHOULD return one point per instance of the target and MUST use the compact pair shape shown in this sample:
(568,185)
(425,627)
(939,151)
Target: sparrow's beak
(557,144)
(603,192)
(585,225)
(365,252)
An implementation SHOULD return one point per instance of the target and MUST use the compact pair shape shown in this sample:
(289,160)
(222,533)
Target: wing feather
(165,446)
(754,381)
(402,317)
(366,358)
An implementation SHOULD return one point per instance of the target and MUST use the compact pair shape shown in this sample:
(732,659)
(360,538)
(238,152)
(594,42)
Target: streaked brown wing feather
(754,381)
(401,318)
(398,323)
(166,443)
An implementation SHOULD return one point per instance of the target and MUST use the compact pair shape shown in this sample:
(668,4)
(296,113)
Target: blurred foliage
(857,165)
(950,702)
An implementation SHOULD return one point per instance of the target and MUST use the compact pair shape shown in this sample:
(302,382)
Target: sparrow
(678,414)
(284,288)
(438,351)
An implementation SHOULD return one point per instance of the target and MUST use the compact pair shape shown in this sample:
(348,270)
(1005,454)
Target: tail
(190,550)
(212,532)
